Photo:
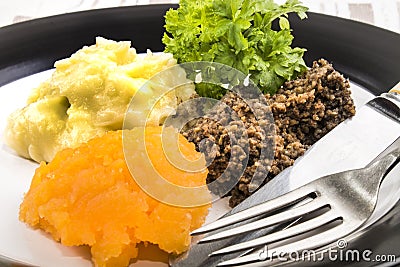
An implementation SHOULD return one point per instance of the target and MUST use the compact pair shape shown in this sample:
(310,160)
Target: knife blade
(352,144)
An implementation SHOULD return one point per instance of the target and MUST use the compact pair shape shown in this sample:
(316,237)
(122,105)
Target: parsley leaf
(237,33)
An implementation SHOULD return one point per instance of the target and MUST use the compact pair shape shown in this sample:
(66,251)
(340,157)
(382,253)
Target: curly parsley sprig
(237,33)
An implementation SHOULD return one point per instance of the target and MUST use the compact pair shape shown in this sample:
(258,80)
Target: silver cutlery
(348,197)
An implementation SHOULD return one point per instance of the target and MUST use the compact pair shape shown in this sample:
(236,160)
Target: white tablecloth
(382,13)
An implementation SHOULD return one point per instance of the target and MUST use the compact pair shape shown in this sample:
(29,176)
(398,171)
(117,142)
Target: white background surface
(382,13)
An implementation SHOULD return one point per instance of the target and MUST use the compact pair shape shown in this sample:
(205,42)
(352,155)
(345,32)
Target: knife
(351,144)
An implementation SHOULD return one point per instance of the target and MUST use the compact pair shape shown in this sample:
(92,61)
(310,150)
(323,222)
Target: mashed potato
(88,94)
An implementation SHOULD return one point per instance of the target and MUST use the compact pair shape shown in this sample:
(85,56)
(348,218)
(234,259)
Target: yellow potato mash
(88,94)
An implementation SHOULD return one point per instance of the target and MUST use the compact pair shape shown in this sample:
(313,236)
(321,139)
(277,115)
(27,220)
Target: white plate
(18,241)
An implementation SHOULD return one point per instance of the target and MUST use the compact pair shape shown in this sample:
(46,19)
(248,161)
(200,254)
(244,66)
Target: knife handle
(396,89)
(393,96)
(388,103)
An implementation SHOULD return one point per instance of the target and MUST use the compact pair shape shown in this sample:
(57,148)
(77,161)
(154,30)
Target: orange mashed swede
(87,196)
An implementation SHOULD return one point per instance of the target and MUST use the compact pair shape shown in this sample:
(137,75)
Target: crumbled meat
(213,136)
(313,104)
(304,110)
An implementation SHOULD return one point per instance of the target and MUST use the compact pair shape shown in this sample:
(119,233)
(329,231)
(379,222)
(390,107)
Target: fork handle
(385,162)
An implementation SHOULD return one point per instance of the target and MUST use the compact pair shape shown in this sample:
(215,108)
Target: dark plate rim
(366,54)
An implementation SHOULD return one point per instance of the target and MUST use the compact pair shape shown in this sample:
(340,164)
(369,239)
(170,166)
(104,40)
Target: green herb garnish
(237,33)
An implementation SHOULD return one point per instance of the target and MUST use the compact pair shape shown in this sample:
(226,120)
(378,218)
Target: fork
(340,203)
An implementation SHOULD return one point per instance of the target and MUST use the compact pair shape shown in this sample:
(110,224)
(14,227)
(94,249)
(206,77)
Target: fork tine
(281,217)
(312,242)
(269,206)
(301,228)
